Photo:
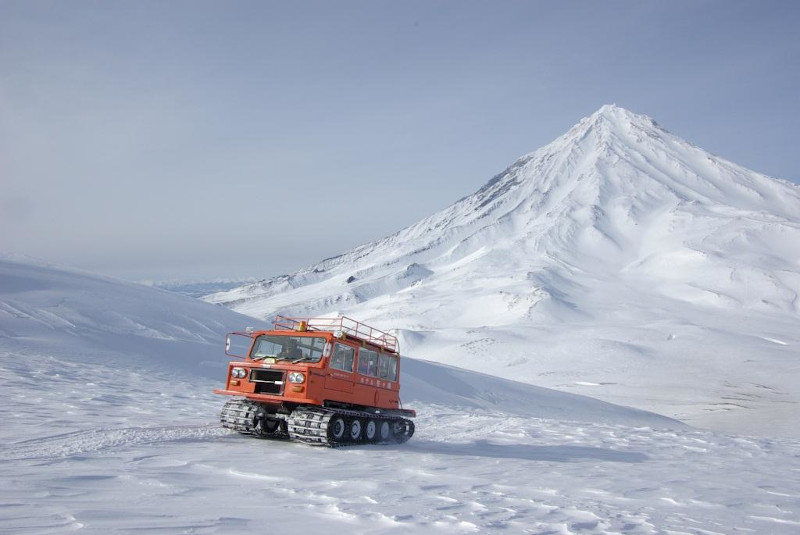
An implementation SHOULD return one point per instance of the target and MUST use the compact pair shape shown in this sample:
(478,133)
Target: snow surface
(619,261)
(109,426)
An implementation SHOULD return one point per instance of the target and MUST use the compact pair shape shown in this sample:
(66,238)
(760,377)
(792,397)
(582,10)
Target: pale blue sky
(188,139)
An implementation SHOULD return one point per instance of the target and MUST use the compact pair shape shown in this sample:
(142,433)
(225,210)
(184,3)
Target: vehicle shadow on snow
(563,454)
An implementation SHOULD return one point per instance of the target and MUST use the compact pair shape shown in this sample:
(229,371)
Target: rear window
(387,367)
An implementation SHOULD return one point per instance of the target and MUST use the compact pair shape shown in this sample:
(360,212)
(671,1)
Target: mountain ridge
(607,210)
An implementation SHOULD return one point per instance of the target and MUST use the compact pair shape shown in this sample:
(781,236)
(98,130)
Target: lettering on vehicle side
(374,382)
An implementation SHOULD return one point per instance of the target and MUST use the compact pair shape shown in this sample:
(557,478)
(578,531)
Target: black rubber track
(316,426)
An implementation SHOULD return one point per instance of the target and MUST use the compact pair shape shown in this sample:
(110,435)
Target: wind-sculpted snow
(130,443)
(95,319)
(107,450)
(619,261)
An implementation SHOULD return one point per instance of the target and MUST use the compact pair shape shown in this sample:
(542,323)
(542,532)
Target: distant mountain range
(619,259)
(199,288)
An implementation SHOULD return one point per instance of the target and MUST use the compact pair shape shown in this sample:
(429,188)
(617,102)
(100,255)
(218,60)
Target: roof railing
(343,324)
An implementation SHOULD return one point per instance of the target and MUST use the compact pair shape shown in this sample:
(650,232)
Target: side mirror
(238,345)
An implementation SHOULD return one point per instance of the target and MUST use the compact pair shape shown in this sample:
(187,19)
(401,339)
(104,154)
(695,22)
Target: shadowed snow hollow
(619,260)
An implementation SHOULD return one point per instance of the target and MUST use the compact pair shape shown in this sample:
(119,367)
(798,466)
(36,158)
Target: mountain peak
(612,112)
(613,117)
(608,110)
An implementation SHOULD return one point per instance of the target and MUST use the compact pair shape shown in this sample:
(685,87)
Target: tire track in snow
(94,440)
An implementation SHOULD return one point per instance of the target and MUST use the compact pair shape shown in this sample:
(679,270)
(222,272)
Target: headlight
(296,377)
(238,373)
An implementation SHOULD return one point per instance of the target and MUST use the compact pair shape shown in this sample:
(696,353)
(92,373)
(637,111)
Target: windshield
(289,347)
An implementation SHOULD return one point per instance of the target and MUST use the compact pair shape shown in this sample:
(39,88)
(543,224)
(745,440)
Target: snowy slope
(88,320)
(97,320)
(618,261)
(109,427)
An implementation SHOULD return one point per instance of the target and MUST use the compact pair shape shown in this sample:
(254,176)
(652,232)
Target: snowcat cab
(321,381)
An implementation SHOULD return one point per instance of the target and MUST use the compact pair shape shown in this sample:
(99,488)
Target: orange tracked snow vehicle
(321,381)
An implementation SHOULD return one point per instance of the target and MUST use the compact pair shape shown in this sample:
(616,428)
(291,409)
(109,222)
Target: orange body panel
(322,384)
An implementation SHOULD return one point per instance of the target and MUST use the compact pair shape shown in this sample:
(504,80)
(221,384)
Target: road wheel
(370,430)
(384,431)
(336,428)
(355,430)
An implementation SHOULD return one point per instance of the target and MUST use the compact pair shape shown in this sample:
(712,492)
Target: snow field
(116,432)
(465,471)
(107,449)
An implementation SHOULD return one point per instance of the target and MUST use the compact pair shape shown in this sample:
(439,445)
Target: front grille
(267,381)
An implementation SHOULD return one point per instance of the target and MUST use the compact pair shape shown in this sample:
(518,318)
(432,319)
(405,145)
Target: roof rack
(343,324)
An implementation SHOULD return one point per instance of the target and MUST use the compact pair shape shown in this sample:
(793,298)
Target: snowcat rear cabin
(321,381)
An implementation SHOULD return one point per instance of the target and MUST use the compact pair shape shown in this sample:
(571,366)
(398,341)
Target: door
(340,376)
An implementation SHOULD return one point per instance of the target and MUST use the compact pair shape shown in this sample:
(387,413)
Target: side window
(388,367)
(343,357)
(367,362)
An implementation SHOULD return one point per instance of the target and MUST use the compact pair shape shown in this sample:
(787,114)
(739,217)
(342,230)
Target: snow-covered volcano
(619,260)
